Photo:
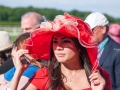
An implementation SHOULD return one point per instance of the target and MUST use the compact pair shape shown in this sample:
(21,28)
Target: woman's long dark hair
(55,71)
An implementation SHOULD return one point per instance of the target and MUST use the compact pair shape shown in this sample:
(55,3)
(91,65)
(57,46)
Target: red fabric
(41,79)
(39,42)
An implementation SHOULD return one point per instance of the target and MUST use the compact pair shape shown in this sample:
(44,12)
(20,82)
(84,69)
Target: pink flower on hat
(59,22)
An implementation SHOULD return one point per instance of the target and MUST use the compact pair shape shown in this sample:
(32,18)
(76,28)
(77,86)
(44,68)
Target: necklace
(70,80)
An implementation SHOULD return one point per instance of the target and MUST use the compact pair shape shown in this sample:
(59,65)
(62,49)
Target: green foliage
(9,23)
(118,21)
(12,16)
(82,15)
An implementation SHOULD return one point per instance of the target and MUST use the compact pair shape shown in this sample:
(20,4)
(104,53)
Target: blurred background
(11,11)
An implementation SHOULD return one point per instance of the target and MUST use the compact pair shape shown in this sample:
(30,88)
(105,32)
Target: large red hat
(39,42)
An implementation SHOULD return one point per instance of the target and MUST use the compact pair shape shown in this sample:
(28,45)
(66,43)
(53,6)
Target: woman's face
(64,48)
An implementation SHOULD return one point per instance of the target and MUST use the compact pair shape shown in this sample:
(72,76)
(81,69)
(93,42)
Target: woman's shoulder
(42,71)
(40,78)
(30,71)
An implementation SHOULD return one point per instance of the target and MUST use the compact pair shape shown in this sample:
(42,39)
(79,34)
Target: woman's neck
(70,68)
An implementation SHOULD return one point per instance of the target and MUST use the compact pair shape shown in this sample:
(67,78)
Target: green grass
(14,32)
(13,38)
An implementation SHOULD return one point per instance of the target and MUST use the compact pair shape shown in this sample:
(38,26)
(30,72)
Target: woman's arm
(20,68)
(23,83)
(14,83)
(2,80)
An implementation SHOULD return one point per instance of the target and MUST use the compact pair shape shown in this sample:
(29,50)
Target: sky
(110,7)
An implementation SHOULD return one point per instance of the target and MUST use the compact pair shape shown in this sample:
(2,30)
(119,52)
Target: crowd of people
(108,52)
(64,54)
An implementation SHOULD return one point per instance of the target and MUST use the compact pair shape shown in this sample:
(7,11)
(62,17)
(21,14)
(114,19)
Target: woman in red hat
(68,44)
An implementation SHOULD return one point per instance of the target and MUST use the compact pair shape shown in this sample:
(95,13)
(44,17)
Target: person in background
(28,73)
(114,32)
(30,21)
(5,46)
(68,44)
(109,50)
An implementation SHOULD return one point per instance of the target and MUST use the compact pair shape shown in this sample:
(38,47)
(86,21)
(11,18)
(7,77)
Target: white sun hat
(5,41)
(96,19)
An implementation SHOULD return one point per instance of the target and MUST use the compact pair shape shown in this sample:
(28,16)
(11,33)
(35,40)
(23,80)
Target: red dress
(41,79)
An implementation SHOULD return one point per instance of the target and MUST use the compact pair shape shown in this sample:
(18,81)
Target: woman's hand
(17,59)
(97,81)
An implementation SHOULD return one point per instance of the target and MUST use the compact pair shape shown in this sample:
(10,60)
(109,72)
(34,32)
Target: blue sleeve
(30,71)
(9,74)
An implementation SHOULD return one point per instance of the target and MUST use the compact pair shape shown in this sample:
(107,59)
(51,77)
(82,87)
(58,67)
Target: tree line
(12,16)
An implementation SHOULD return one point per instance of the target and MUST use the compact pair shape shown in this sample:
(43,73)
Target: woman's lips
(60,55)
